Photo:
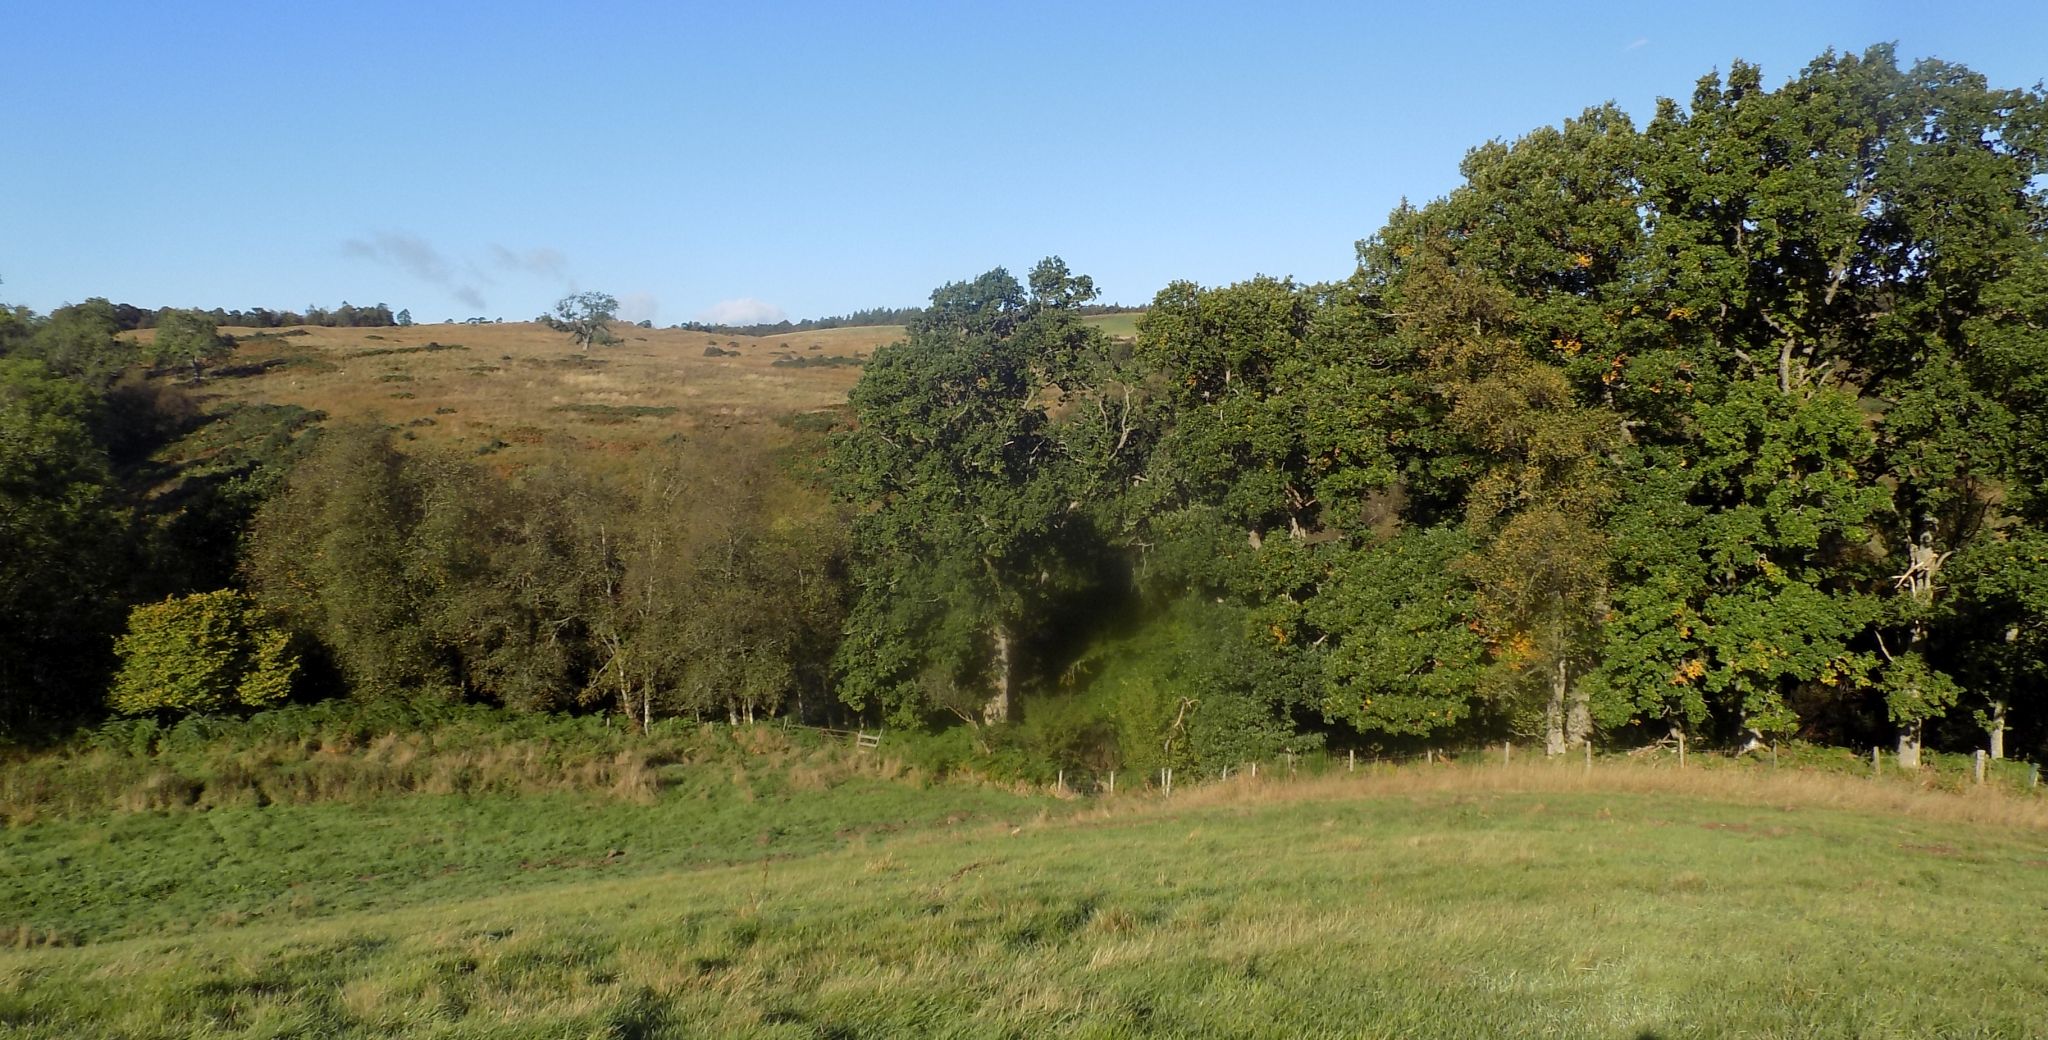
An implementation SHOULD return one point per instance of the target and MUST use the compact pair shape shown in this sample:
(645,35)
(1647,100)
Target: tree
(976,528)
(64,548)
(80,342)
(203,652)
(187,337)
(586,316)
(706,589)
(422,576)
(404,317)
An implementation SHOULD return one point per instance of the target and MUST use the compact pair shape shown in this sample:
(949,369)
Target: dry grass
(1785,790)
(515,387)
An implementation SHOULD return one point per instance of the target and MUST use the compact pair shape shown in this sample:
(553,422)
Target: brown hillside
(510,387)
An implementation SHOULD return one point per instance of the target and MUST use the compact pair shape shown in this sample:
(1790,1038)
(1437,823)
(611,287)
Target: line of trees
(128,317)
(1730,424)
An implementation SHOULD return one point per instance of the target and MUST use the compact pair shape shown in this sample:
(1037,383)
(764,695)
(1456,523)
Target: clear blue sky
(714,160)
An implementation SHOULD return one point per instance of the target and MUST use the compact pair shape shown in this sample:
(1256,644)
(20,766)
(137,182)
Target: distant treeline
(128,317)
(859,319)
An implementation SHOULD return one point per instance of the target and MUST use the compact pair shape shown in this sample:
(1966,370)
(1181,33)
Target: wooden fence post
(1589,758)
(1507,752)
(1681,749)
(1112,781)
(1351,760)
(1876,760)
(1977,765)
(2034,775)
(1059,786)
(1774,754)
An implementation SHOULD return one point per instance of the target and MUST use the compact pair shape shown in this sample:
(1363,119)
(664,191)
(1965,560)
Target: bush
(202,652)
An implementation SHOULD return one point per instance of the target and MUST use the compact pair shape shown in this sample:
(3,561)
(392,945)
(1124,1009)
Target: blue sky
(743,161)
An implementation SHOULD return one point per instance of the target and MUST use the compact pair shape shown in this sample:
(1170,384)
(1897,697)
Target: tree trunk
(1997,730)
(997,709)
(1909,745)
(1553,712)
(1578,719)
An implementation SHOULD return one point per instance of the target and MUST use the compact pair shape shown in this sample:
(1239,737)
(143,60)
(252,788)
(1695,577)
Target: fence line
(1081,782)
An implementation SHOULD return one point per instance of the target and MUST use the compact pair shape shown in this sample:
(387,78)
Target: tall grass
(344,752)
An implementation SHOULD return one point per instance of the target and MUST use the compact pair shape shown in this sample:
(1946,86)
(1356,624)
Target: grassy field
(1117,326)
(1524,900)
(521,391)
(514,387)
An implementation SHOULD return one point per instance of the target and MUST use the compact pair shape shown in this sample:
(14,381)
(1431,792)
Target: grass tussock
(335,753)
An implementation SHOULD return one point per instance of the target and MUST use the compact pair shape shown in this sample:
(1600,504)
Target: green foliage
(187,338)
(64,527)
(198,653)
(1200,689)
(1402,655)
(976,527)
(80,342)
(713,591)
(587,317)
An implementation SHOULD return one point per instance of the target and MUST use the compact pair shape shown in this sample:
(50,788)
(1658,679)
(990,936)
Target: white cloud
(1640,41)
(638,307)
(744,311)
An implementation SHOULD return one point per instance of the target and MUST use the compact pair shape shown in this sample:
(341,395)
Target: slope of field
(508,388)
(492,388)
(1424,902)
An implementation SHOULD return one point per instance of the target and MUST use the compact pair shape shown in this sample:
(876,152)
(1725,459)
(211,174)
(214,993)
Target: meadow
(521,389)
(1628,900)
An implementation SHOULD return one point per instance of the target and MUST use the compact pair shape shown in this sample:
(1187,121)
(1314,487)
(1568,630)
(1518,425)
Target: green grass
(1117,325)
(1448,902)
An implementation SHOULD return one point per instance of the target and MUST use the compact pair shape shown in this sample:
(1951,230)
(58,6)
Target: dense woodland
(1734,423)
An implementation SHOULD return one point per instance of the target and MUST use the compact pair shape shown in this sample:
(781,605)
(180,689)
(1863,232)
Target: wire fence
(1944,770)
(1937,769)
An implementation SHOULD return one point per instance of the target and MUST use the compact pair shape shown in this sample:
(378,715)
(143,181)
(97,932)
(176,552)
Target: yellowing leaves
(1686,673)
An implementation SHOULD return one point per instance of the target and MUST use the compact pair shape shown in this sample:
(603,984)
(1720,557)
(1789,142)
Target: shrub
(202,652)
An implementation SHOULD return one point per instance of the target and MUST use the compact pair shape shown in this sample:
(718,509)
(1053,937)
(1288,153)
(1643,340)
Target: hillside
(1487,901)
(507,387)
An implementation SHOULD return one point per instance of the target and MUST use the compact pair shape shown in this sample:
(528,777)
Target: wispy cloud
(1637,43)
(744,311)
(542,261)
(417,257)
(638,307)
